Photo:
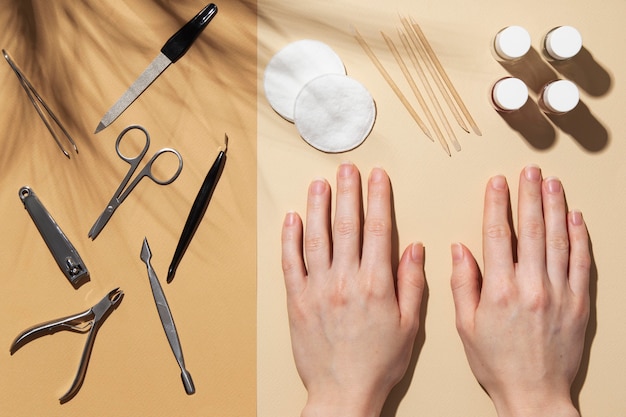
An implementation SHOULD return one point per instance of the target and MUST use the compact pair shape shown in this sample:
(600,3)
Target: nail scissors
(87,321)
(121,193)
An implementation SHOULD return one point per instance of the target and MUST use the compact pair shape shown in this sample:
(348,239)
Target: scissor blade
(101,222)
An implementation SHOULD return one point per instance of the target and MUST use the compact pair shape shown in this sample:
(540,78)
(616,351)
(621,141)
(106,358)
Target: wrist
(543,406)
(569,411)
(342,404)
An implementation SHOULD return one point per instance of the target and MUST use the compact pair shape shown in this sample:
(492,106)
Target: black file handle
(179,43)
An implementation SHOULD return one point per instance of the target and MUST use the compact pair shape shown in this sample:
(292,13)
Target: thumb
(411,284)
(465,283)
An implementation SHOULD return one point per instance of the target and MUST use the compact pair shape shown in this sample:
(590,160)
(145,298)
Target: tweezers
(198,209)
(41,106)
(87,321)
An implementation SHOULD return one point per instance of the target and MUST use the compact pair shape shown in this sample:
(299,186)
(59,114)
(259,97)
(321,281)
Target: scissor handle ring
(148,167)
(143,151)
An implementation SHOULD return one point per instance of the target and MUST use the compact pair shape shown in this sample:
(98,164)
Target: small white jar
(509,94)
(562,42)
(511,43)
(559,97)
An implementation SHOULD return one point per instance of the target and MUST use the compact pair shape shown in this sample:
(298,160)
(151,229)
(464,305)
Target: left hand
(352,333)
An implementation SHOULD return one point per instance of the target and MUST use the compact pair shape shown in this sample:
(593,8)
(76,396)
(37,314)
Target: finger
(377,228)
(557,239)
(347,223)
(580,254)
(294,269)
(465,284)
(531,248)
(497,236)
(411,284)
(317,243)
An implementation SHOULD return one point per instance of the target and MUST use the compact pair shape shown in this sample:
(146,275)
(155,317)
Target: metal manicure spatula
(166,318)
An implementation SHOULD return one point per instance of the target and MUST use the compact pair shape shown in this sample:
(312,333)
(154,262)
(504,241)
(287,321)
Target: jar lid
(563,42)
(561,96)
(512,42)
(510,94)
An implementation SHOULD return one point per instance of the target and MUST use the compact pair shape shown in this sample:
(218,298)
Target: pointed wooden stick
(418,95)
(391,83)
(433,72)
(431,93)
(444,76)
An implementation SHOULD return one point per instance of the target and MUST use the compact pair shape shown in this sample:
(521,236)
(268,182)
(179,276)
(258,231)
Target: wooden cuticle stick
(431,93)
(391,83)
(418,95)
(431,53)
(421,50)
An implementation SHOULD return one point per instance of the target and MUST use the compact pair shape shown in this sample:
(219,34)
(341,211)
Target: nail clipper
(62,249)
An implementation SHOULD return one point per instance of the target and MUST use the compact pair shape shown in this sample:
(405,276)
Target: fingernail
(498,182)
(457,252)
(553,185)
(377,175)
(346,169)
(532,173)
(576,217)
(318,186)
(290,218)
(417,251)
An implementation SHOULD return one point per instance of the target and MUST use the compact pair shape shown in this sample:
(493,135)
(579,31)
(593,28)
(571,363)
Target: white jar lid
(563,42)
(561,96)
(510,94)
(512,42)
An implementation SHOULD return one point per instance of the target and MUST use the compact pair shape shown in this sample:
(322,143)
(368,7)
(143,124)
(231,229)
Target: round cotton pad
(334,113)
(294,66)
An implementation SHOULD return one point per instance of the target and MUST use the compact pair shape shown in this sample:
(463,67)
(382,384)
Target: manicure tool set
(64,252)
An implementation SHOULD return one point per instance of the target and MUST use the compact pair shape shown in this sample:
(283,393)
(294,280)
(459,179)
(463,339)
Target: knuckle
(498,231)
(288,265)
(377,227)
(538,301)
(559,243)
(581,262)
(339,295)
(314,242)
(533,230)
(504,296)
(583,309)
(345,227)
(338,299)
(461,323)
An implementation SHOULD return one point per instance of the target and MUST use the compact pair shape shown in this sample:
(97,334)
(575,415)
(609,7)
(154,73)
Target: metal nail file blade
(62,249)
(172,51)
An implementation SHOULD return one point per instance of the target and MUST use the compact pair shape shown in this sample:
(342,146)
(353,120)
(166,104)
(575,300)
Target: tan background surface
(81,56)
(438,199)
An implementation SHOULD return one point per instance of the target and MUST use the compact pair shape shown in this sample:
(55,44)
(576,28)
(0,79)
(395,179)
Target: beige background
(81,56)
(438,199)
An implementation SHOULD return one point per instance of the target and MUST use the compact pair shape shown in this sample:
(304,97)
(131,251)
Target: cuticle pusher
(166,318)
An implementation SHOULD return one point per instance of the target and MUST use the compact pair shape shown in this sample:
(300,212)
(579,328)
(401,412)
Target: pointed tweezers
(39,103)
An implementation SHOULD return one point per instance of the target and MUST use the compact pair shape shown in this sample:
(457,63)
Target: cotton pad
(294,66)
(334,113)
